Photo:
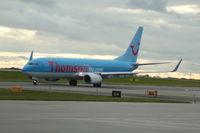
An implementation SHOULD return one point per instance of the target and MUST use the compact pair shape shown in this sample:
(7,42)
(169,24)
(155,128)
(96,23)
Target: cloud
(17,34)
(46,3)
(125,10)
(19,59)
(94,27)
(154,5)
(164,6)
(184,9)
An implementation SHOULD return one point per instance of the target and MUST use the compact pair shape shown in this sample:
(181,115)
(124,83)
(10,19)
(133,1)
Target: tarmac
(190,94)
(101,117)
(97,117)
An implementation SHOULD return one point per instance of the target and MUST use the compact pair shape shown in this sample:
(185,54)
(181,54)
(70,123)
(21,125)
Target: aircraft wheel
(73,82)
(97,85)
(35,82)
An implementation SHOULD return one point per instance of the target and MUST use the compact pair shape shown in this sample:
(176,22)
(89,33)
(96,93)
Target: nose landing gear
(35,82)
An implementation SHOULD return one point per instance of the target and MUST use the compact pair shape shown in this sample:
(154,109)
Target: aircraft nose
(25,68)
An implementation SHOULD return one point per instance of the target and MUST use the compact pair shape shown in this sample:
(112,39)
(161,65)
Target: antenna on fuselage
(31,56)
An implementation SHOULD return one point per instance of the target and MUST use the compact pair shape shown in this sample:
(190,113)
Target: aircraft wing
(132,73)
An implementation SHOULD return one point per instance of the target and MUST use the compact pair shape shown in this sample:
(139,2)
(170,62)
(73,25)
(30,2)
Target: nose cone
(26,68)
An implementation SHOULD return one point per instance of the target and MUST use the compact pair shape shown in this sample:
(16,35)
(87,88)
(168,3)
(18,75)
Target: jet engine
(92,78)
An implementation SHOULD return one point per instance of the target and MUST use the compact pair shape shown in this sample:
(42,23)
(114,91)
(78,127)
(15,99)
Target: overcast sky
(101,27)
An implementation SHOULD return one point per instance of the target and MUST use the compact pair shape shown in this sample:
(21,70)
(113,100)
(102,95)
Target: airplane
(92,71)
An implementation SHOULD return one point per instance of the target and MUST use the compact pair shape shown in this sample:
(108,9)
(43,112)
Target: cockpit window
(33,64)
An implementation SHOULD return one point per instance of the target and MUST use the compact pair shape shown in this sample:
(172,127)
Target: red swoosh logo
(133,51)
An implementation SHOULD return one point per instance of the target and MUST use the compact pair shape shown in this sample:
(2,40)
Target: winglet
(31,56)
(177,66)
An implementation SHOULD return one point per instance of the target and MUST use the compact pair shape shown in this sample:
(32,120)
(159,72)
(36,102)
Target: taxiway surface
(191,94)
(97,117)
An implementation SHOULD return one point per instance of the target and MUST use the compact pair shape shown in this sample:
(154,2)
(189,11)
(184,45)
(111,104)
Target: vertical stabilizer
(132,51)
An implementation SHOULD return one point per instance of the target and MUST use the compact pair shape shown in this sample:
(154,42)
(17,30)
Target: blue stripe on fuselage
(67,65)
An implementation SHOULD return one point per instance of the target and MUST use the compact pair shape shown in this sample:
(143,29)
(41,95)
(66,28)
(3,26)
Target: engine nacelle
(92,78)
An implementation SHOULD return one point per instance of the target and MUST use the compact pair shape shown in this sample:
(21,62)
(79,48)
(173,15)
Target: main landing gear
(73,82)
(97,85)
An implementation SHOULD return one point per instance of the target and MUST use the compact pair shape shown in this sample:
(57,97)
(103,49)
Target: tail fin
(132,51)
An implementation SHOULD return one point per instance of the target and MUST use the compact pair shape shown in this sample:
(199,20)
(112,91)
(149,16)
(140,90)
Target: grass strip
(153,81)
(5,94)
